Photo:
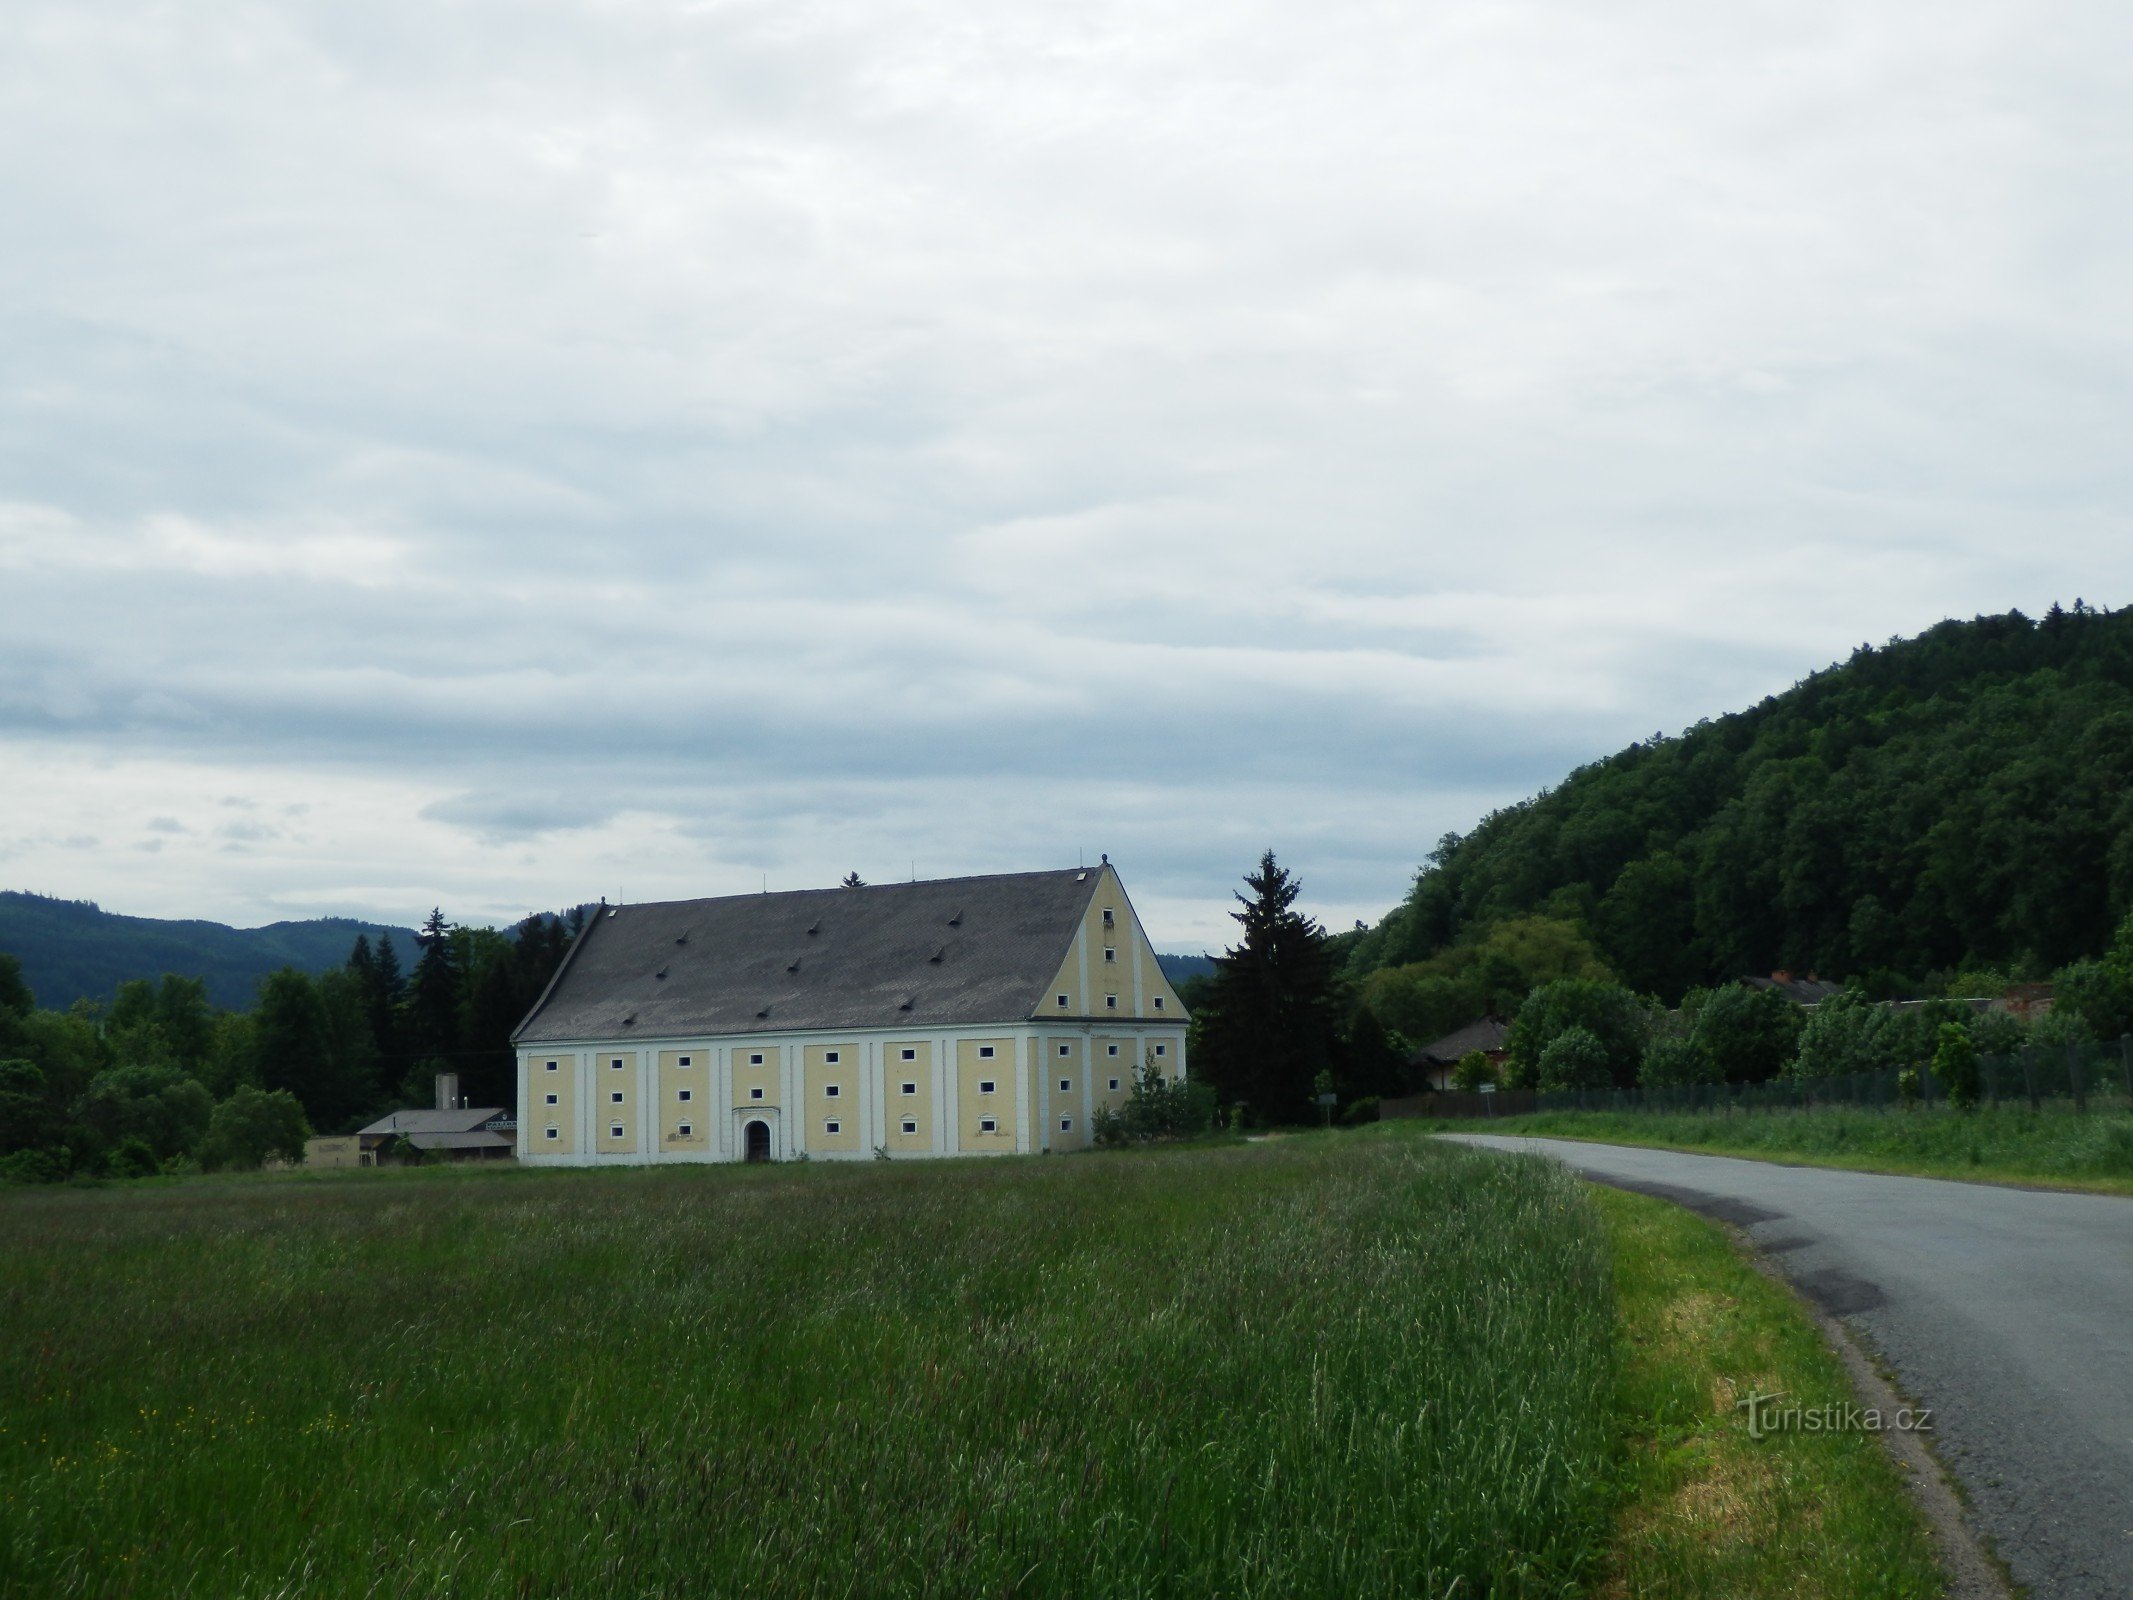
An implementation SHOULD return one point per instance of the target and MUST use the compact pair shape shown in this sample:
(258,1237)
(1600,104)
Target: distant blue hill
(1178,968)
(73,949)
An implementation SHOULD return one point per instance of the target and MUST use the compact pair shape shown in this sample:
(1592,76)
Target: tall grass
(2054,1145)
(1317,1366)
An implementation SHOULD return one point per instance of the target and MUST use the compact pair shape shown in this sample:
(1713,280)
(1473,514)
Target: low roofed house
(954,1016)
(450,1129)
(1435,1060)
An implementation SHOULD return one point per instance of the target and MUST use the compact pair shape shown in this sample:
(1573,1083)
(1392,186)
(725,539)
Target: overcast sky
(495,455)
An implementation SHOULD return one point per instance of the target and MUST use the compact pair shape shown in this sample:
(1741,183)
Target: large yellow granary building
(959,1016)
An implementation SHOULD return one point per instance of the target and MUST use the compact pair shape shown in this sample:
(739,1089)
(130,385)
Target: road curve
(2008,1311)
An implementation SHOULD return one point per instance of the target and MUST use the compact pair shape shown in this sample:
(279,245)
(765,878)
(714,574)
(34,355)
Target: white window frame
(686,1130)
(831,1125)
(986,1086)
(1066,1124)
(614,1064)
(1111,955)
(553,1099)
(686,1061)
(554,1132)
(1066,1085)
(552,1066)
(1162,1049)
(1158,1002)
(1114,1086)
(1062,1002)
(907,1086)
(755,1059)
(681,1094)
(831,1091)
(1110,1002)
(908,1055)
(832,1058)
(756,1093)
(909,1125)
(1110,1049)
(985,1052)
(988,1124)
(614,1097)
(614,1131)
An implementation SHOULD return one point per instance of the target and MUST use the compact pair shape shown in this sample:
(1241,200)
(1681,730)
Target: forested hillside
(1962,799)
(74,950)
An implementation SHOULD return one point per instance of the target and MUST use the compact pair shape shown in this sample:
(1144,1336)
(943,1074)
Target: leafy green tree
(1676,1063)
(1841,1036)
(1955,1065)
(162,1108)
(1472,1071)
(1575,1059)
(1609,1012)
(26,1115)
(252,1126)
(311,1037)
(1266,1027)
(1752,1034)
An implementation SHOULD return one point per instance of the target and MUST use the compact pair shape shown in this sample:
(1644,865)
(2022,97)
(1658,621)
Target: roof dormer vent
(629,1020)
(684,939)
(661,973)
(956,921)
(793,965)
(762,1013)
(935,958)
(814,927)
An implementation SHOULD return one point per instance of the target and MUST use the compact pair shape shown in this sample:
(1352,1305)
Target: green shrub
(1472,1072)
(1955,1065)
(252,1125)
(1574,1059)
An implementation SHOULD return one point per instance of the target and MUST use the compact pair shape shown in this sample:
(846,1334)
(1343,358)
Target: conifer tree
(1266,1024)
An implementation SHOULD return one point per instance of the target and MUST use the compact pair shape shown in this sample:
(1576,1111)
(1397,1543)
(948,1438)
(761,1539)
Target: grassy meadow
(2055,1146)
(1311,1367)
(1351,1364)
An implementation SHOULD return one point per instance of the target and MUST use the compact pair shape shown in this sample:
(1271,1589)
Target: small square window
(830,1091)
(1114,1085)
(988,1125)
(614,1130)
(1066,1049)
(684,1061)
(1162,1049)
(910,1088)
(1158,1002)
(1107,916)
(552,1099)
(1110,1002)
(684,1132)
(985,1086)
(755,1094)
(910,1125)
(1110,954)
(616,1064)
(831,1056)
(1110,1049)
(832,1126)
(551,1066)
(616,1097)
(1062,1002)
(1066,1124)
(553,1134)
(908,1055)
(984,1052)
(681,1094)
(756,1060)
(1066,1085)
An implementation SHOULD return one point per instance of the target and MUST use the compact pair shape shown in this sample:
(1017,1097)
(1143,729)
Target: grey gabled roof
(465,1119)
(946,952)
(1484,1034)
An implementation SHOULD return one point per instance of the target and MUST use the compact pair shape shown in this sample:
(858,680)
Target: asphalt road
(2008,1311)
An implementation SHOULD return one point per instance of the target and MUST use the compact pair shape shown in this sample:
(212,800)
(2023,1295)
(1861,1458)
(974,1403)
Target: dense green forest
(1959,800)
(161,1078)
(75,950)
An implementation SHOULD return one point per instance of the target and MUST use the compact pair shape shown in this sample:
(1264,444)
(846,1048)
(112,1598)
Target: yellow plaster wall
(538,1115)
(820,1075)
(973,1107)
(895,1073)
(748,1076)
(608,1081)
(697,1111)
(1071,1070)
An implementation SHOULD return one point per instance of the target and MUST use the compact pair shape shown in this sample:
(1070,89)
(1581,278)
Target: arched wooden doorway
(758,1137)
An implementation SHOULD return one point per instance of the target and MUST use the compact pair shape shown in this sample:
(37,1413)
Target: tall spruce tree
(1267,1017)
(434,992)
